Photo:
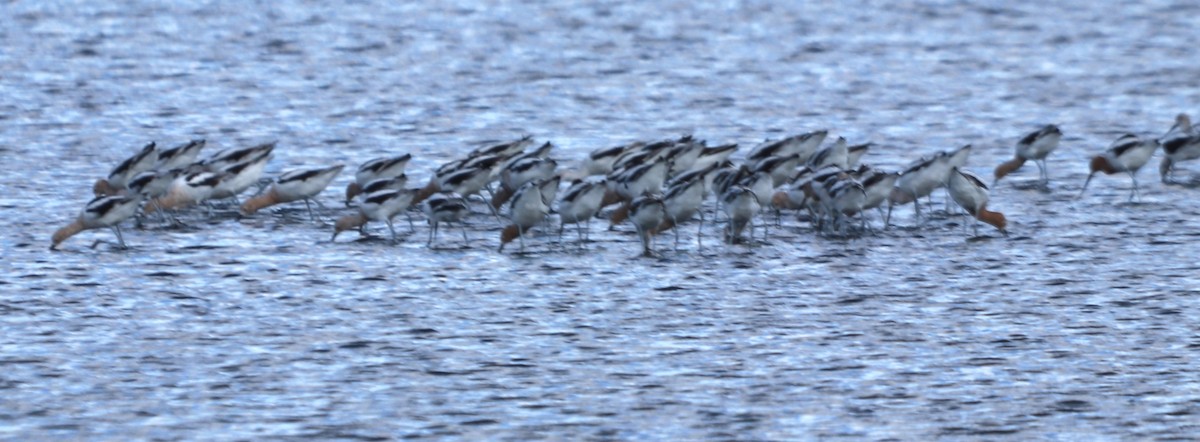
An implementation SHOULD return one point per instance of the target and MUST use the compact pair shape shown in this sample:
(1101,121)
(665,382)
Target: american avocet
(804,144)
(954,158)
(600,162)
(635,181)
(1180,143)
(528,208)
(376,169)
(1182,127)
(465,182)
(1034,146)
(957,158)
(707,174)
(187,189)
(855,153)
(780,168)
(917,181)
(115,183)
(239,177)
(579,205)
(972,195)
(641,153)
(292,186)
(526,170)
(762,185)
(103,211)
(741,204)
(647,212)
(1176,150)
(837,154)
(381,205)
(393,183)
(878,186)
(540,152)
(684,153)
(223,159)
(1127,154)
(682,202)
(445,207)
(847,198)
(152,185)
(714,155)
(506,149)
(179,156)
(799,188)
(469,175)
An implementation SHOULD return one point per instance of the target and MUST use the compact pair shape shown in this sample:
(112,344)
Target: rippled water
(1080,325)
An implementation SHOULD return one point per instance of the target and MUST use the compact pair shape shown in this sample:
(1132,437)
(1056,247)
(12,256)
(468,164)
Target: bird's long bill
(335,234)
(1085,184)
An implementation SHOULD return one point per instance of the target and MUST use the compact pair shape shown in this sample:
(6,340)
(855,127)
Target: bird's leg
(120,240)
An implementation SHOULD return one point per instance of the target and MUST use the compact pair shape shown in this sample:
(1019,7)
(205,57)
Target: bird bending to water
(103,211)
(117,179)
(292,186)
(376,169)
(972,195)
(381,205)
(1034,146)
(1127,154)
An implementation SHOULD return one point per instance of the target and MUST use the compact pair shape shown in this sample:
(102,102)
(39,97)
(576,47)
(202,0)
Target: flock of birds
(657,186)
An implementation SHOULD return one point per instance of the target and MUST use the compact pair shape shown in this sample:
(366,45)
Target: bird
(180,156)
(187,189)
(115,183)
(877,185)
(682,202)
(445,207)
(918,180)
(837,154)
(641,153)
(1127,154)
(635,181)
(714,155)
(600,161)
(228,157)
(1034,146)
(804,144)
(1176,150)
(855,153)
(516,174)
(1180,143)
(151,185)
(647,212)
(1182,127)
(380,205)
(103,211)
(781,168)
(376,169)
(292,186)
(972,195)
(241,176)
(579,205)
(684,154)
(847,198)
(741,204)
(528,208)
(504,150)
(393,183)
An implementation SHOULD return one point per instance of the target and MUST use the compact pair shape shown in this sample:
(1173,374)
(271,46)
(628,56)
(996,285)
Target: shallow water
(1079,325)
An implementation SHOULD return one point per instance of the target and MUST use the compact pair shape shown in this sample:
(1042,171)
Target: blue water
(1080,325)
